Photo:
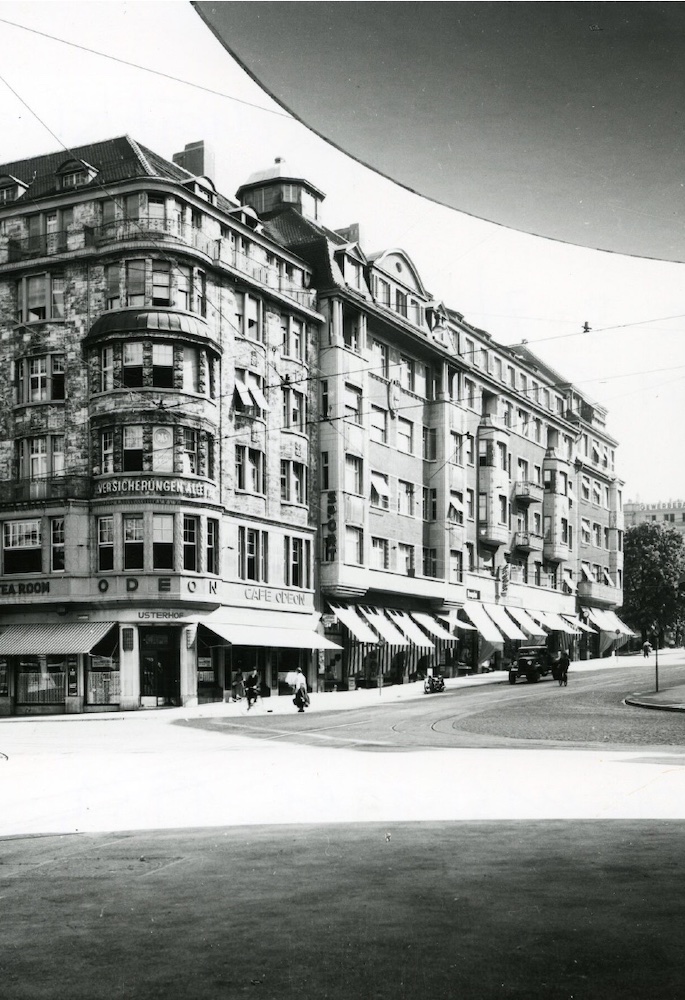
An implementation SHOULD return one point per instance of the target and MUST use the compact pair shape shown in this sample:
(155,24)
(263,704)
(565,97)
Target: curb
(634,700)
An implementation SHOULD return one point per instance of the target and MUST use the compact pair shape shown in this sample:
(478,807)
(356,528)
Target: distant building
(667,513)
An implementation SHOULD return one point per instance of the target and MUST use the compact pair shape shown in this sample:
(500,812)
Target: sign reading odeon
(183,487)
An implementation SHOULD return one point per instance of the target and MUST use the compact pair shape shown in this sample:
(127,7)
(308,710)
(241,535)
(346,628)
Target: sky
(54,95)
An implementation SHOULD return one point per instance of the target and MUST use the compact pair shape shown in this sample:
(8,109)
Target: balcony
(528,492)
(600,593)
(150,230)
(493,534)
(270,275)
(55,488)
(36,246)
(528,541)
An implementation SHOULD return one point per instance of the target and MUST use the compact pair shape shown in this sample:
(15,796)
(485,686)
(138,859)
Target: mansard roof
(115,160)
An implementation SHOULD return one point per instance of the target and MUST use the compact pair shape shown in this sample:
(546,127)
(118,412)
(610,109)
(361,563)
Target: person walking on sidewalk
(646,647)
(301,698)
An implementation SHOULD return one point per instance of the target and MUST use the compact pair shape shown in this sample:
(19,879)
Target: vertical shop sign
(4,679)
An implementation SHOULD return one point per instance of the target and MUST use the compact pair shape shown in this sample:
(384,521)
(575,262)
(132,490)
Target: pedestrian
(301,699)
(237,688)
(646,647)
(252,687)
(564,664)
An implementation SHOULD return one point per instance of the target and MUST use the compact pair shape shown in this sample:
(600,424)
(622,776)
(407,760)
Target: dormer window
(11,188)
(74,174)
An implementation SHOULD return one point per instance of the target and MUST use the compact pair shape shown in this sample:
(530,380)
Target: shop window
(133,448)
(190,544)
(163,365)
(163,541)
(105,543)
(212,548)
(134,541)
(41,680)
(253,555)
(21,541)
(297,562)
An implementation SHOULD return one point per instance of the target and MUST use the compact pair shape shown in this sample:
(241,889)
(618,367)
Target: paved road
(589,713)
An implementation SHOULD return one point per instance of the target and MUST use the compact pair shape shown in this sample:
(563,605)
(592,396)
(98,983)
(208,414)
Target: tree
(653,567)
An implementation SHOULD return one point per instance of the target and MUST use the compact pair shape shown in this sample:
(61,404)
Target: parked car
(532,662)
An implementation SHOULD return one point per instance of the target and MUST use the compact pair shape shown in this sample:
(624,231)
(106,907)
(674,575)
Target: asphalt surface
(439,846)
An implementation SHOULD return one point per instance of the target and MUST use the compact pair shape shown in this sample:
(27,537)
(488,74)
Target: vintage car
(532,662)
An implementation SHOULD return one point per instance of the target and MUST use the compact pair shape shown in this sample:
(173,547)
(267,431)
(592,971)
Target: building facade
(232,439)
(667,513)
(153,500)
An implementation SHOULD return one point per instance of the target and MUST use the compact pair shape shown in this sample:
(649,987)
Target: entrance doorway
(160,665)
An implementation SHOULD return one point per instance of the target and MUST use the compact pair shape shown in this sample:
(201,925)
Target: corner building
(156,460)
(453,471)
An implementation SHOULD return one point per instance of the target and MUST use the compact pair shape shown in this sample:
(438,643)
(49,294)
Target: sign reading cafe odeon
(156,485)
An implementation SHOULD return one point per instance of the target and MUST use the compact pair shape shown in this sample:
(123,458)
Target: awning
(554,622)
(354,623)
(411,630)
(526,622)
(608,579)
(618,626)
(256,392)
(380,484)
(576,622)
(433,626)
(587,572)
(504,622)
(384,626)
(597,618)
(483,623)
(241,389)
(52,640)
(263,635)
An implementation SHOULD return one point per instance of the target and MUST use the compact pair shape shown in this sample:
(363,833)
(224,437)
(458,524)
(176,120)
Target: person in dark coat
(252,688)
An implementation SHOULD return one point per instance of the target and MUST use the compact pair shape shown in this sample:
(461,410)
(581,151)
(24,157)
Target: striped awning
(484,624)
(554,622)
(354,623)
(576,622)
(527,623)
(52,639)
(504,623)
(433,626)
(384,626)
(411,629)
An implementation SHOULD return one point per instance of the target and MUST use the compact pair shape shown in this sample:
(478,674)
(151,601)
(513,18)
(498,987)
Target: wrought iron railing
(53,488)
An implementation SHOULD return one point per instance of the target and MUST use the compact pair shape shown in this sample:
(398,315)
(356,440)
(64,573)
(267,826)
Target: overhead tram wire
(147,69)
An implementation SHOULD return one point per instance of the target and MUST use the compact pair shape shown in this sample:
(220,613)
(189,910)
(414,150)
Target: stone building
(666,513)
(231,438)
(453,470)
(157,530)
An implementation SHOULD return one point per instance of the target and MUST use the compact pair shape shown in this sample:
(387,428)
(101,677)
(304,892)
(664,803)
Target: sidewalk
(320,701)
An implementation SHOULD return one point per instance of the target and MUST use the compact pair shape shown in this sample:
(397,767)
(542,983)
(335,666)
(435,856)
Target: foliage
(653,567)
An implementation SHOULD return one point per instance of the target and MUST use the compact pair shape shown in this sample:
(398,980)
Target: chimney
(197,158)
(351,233)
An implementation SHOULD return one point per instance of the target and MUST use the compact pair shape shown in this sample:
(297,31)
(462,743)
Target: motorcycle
(433,684)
